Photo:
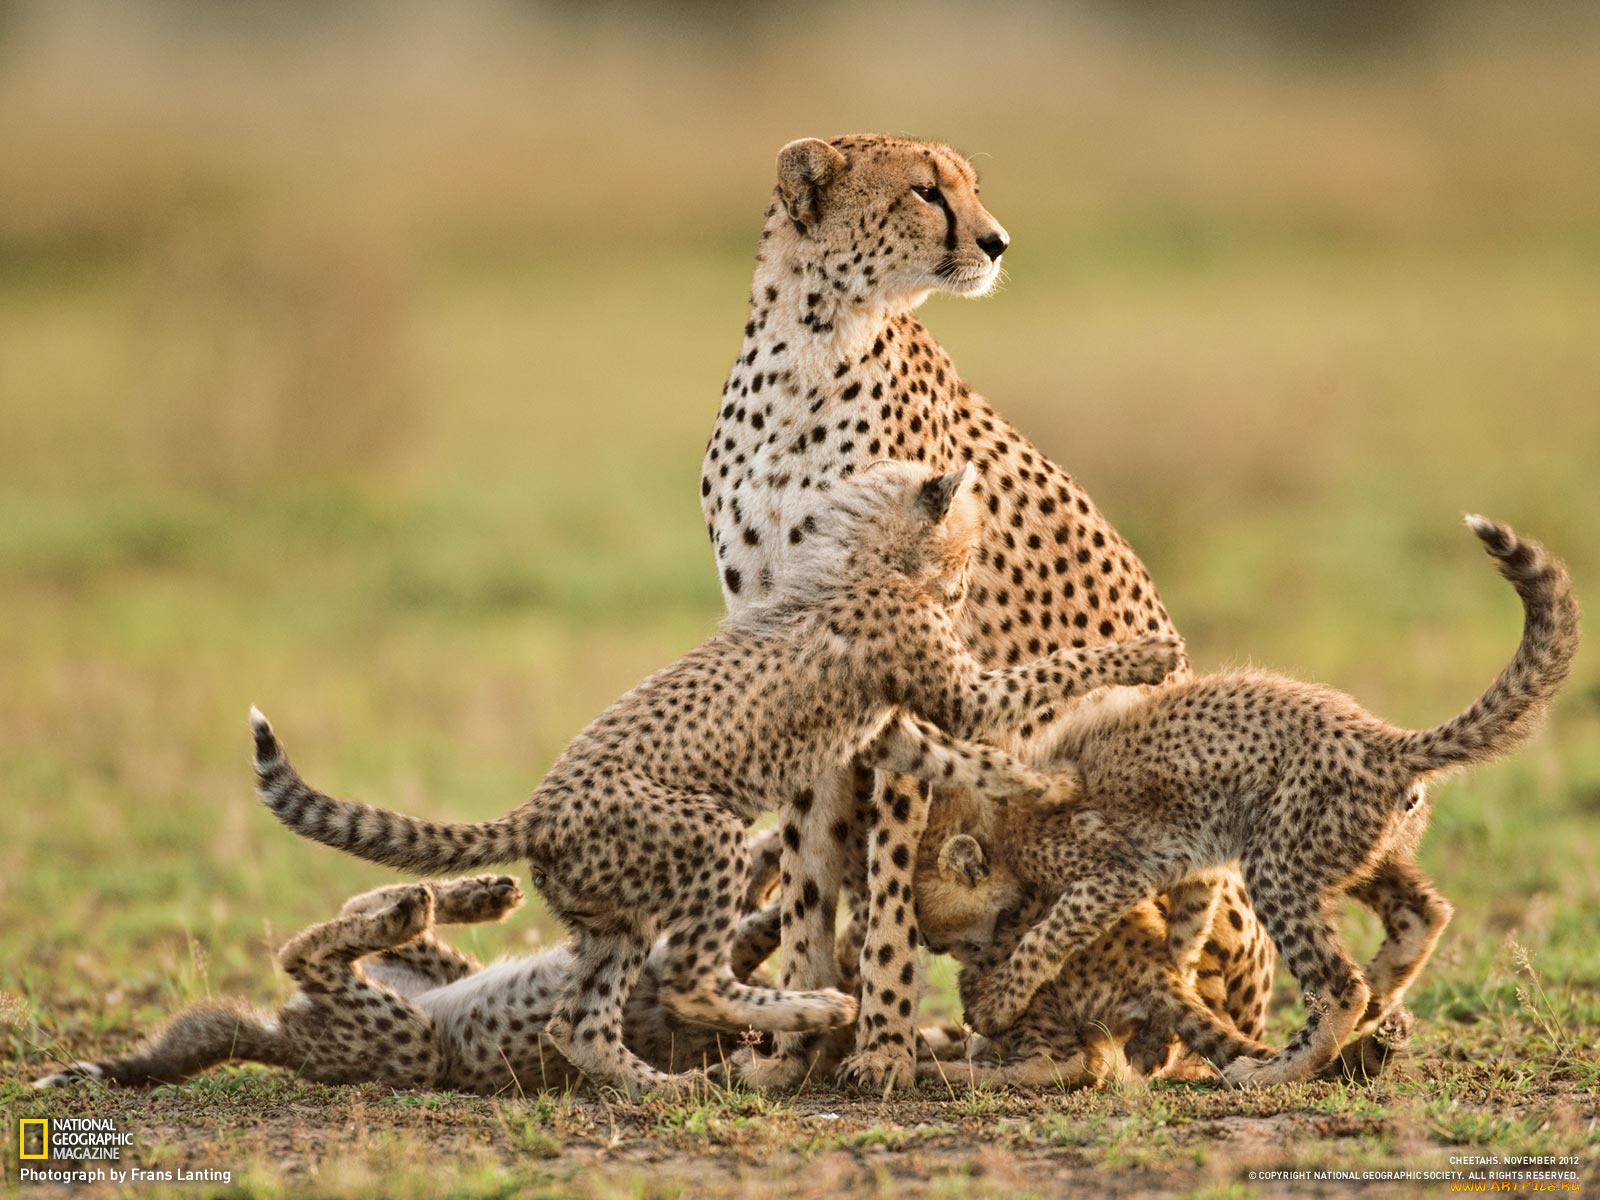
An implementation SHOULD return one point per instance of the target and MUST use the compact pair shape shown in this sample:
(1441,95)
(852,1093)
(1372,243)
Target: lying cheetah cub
(1313,796)
(638,830)
(382,1000)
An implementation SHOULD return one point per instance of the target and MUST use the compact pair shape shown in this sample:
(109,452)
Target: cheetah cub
(1112,1010)
(1313,796)
(383,1000)
(638,830)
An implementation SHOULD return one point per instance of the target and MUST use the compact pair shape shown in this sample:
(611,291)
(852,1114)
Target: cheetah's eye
(929,195)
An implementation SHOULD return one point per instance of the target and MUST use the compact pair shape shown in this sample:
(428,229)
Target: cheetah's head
(883,218)
(971,874)
(886,525)
(962,888)
(918,524)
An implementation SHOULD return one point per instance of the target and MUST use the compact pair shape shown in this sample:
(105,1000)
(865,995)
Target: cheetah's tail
(375,834)
(1505,714)
(201,1036)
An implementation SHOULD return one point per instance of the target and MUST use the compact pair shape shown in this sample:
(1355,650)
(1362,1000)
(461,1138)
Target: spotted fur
(836,373)
(1313,795)
(1114,1010)
(382,1000)
(638,829)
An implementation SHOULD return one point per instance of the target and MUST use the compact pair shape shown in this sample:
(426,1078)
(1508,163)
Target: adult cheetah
(1315,797)
(638,829)
(835,372)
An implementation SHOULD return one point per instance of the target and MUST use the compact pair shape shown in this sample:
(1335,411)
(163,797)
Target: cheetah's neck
(832,376)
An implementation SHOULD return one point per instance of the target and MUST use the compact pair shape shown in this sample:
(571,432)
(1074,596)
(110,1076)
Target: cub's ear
(806,170)
(961,860)
(940,492)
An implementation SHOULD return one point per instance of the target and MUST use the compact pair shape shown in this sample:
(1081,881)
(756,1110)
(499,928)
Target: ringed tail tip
(267,748)
(1497,539)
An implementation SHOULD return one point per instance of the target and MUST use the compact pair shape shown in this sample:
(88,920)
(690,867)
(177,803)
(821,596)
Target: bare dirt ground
(277,1136)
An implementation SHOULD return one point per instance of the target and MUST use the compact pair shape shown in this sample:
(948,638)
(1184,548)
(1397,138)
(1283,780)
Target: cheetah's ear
(940,492)
(806,170)
(961,860)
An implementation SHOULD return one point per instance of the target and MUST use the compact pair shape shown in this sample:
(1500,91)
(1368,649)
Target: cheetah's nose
(994,244)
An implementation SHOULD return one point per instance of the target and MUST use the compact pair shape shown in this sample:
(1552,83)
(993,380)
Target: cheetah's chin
(972,286)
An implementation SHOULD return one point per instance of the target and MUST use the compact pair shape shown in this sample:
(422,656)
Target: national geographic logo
(33,1137)
(75,1139)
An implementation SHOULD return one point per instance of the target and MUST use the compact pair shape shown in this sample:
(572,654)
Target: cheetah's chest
(773,457)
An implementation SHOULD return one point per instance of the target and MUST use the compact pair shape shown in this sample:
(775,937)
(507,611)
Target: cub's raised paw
(475,900)
(878,1070)
(407,912)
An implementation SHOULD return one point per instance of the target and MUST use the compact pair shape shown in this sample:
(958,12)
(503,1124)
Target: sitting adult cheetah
(383,1000)
(836,372)
(1314,796)
(637,831)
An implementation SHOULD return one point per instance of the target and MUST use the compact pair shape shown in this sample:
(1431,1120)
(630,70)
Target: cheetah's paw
(407,913)
(879,1070)
(1150,658)
(771,1071)
(1246,1072)
(475,900)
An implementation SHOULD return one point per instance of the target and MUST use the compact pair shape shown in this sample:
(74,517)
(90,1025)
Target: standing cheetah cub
(1314,796)
(638,830)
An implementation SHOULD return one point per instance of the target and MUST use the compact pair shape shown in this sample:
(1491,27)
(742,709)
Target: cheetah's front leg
(819,827)
(885,1051)
(909,745)
(1103,883)
(1009,698)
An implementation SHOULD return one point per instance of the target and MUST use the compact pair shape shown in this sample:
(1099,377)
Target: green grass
(424,488)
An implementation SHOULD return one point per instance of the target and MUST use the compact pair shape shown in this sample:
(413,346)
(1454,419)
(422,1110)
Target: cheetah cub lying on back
(1313,796)
(638,830)
(383,1000)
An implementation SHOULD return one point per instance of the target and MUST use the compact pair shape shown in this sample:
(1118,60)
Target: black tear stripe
(949,221)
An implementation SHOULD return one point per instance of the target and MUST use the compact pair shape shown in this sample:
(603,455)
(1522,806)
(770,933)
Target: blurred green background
(357,360)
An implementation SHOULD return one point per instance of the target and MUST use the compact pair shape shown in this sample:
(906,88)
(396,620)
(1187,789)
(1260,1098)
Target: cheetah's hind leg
(699,983)
(1413,915)
(1336,994)
(586,1021)
(343,1027)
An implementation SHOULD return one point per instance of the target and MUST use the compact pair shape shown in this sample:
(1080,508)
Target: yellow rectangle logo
(40,1138)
